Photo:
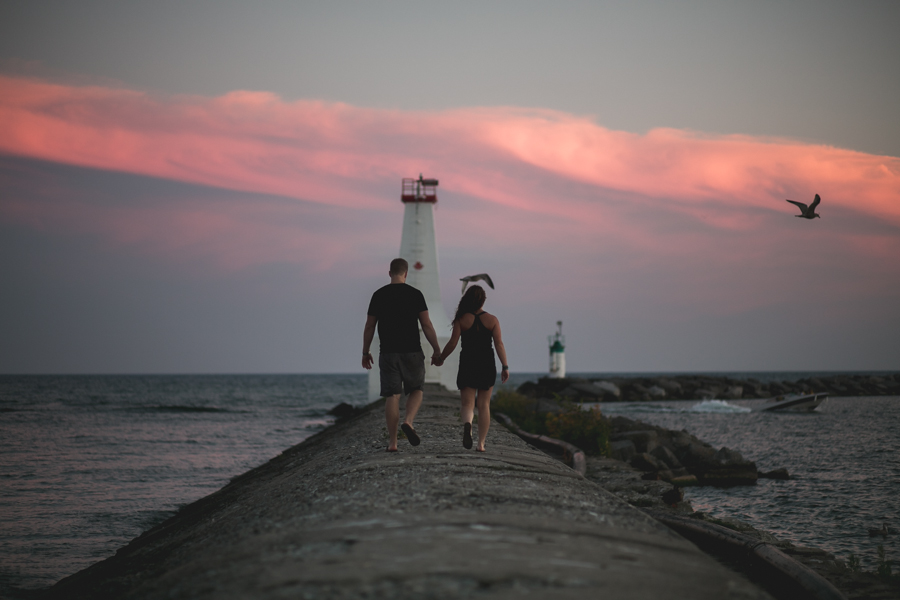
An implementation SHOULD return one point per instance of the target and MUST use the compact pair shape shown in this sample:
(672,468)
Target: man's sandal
(410,434)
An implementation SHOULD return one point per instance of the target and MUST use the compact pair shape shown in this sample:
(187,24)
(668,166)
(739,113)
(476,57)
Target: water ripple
(843,458)
(90,462)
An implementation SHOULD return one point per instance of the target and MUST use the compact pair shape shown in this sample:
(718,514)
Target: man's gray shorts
(401,370)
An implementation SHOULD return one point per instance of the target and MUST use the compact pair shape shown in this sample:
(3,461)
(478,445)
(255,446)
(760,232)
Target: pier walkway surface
(339,517)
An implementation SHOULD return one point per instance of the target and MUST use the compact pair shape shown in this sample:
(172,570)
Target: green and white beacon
(557,352)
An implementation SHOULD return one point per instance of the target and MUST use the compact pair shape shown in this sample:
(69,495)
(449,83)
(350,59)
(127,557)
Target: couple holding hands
(396,310)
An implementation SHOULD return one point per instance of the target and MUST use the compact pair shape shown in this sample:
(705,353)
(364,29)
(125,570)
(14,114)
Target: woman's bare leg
(466,413)
(467,410)
(484,416)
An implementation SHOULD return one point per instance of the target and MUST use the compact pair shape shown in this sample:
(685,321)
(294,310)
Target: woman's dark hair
(471,302)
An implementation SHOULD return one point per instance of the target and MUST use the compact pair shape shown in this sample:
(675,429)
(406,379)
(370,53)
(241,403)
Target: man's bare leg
(413,402)
(392,416)
(484,416)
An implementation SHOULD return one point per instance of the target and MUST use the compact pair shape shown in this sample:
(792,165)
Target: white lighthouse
(419,247)
(557,353)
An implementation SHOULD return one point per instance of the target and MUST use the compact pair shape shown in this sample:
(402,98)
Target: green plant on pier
(586,429)
(521,409)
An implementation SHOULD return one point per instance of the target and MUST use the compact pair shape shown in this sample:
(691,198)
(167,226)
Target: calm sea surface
(89,462)
(844,459)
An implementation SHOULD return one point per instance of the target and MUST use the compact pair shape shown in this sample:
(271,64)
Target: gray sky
(88,290)
(819,71)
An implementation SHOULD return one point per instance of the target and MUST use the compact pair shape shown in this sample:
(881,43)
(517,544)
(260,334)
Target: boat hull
(793,403)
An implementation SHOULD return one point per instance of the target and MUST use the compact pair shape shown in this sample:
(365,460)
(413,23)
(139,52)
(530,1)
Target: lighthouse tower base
(419,248)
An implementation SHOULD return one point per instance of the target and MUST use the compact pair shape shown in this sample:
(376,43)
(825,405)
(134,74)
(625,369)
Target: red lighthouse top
(419,190)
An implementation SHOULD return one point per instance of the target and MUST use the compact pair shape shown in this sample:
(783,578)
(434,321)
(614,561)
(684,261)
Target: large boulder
(753,389)
(572,388)
(672,387)
(590,391)
(638,388)
(725,468)
(546,387)
(667,456)
(622,450)
(678,455)
(644,441)
(645,462)
(679,439)
(609,388)
(727,456)
(344,411)
(656,392)
(733,392)
(694,453)
(777,388)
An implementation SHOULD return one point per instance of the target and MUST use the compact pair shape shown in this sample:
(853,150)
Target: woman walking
(477,370)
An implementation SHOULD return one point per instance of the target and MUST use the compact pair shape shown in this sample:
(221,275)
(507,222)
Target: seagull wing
(480,277)
(815,202)
(803,207)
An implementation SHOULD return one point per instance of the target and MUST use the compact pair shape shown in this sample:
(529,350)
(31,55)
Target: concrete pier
(338,517)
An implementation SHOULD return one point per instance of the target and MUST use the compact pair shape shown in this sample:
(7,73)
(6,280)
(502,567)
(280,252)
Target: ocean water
(87,463)
(844,460)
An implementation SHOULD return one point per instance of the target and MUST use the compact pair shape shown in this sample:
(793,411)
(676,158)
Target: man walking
(397,309)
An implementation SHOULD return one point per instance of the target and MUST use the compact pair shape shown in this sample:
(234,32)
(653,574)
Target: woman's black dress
(476,358)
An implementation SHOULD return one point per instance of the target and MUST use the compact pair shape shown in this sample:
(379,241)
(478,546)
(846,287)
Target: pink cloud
(543,186)
(628,231)
(333,153)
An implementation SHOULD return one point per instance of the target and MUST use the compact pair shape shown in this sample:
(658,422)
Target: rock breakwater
(706,387)
(677,456)
(673,456)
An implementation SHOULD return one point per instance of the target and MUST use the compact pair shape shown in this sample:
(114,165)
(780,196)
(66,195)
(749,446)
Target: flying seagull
(807,212)
(481,276)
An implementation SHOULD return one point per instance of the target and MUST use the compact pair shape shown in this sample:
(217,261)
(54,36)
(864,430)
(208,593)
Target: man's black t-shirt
(397,307)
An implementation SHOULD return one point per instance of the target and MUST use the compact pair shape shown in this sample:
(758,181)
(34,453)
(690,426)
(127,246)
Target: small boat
(794,402)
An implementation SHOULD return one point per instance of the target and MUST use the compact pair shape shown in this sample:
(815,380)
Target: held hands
(436,359)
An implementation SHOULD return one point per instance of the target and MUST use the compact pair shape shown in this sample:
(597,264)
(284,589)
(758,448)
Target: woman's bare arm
(501,350)
(451,343)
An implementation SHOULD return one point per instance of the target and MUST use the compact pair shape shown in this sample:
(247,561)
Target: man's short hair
(399,266)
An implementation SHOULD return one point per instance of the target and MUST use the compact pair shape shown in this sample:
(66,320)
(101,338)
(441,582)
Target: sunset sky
(214,187)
